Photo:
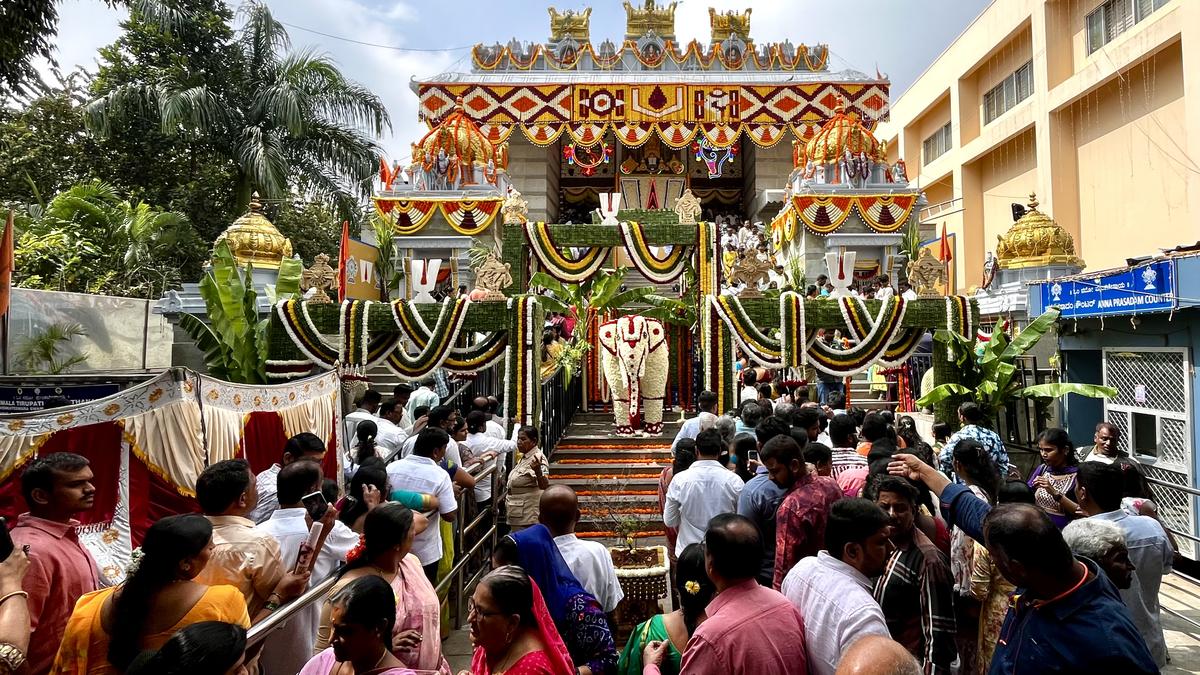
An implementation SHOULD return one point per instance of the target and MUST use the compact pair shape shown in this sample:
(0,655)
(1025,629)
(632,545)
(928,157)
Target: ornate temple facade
(570,120)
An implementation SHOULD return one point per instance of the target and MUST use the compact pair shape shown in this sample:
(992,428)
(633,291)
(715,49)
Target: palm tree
(43,353)
(288,120)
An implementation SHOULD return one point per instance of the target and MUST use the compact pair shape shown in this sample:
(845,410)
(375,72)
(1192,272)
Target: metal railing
(560,402)
(457,586)
(941,208)
(486,517)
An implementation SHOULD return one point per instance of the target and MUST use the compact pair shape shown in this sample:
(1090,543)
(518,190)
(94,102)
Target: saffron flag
(945,254)
(343,256)
(6,265)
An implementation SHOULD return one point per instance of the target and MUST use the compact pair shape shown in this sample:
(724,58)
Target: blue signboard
(1145,288)
(33,399)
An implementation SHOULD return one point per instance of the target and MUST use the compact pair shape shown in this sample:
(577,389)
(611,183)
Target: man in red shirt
(56,488)
(804,511)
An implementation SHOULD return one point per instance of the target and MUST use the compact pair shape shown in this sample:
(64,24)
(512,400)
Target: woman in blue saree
(576,613)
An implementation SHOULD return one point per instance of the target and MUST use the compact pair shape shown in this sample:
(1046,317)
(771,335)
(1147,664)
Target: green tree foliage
(285,120)
(311,226)
(88,239)
(47,352)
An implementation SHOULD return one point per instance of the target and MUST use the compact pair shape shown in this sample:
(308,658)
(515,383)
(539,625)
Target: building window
(1006,95)
(936,145)
(1114,17)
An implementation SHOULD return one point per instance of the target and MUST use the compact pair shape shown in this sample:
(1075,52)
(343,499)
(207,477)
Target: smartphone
(315,504)
(6,542)
(752,455)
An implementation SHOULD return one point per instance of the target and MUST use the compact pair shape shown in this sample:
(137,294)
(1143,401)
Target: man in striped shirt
(845,456)
(916,589)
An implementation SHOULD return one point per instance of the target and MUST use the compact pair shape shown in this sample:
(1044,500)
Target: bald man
(588,560)
(494,429)
(878,655)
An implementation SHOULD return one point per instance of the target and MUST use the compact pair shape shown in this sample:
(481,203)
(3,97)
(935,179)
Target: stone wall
(534,171)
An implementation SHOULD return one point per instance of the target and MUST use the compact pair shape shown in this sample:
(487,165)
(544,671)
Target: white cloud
(84,26)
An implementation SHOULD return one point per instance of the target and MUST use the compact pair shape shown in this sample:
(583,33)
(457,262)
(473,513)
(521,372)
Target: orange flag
(945,254)
(6,265)
(343,254)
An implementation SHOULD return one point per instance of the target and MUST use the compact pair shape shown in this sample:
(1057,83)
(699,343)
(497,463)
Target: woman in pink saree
(512,630)
(363,614)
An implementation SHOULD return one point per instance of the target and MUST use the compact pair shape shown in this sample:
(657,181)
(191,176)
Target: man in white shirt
(907,292)
(589,561)
(419,472)
(304,445)
(402,393)
(1107,438)
(832,591)
(885,290)
(494,429)
(390,436)
(705,490)
(749,391)
(365,409)
(706,402)
(289,648)
(424,395)
(443,417)
(485,448)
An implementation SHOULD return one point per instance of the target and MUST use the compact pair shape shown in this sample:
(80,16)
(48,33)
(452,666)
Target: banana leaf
(1059,389)
(208,342)
(1032,333)
(553,304)
(943,392)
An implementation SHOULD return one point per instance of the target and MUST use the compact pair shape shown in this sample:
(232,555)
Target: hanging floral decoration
(299,326)
(793,333)
(765,350)
(714,157)
(360,350)
(463,360)
(709,257)
(526,366)
(658,269)
(441,338)
(468,217)
(885,329)
(559,264)
(824,214)
(588,159)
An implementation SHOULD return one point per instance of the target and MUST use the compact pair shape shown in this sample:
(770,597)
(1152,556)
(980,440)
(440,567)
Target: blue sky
(899,37)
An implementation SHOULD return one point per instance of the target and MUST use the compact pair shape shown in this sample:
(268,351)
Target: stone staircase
(861,396)
(614,475)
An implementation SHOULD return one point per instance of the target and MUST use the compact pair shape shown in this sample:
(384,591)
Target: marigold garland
(662,270)
(293,314)
(824,214)
(566,269)
(765,350)
(883,333)
(468,217)
(442,337)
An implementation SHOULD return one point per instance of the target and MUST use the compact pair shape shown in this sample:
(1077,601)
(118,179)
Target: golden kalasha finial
(570,24)
(725,25)
(1033,202)
(320,277)
(253,240)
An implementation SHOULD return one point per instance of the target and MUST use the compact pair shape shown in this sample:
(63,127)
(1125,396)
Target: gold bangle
(3,599)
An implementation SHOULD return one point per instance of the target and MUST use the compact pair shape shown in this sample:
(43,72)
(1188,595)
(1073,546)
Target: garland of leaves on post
(566,267)
(359,349)
(880,339)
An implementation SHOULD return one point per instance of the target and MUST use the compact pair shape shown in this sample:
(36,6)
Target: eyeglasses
(473,610)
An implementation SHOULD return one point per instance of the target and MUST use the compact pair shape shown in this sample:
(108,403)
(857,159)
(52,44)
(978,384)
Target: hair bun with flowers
(358,551)
(135,561)
(692,587)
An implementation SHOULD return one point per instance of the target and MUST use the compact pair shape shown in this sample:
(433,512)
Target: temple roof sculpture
(457,136)
(725,25)
(650,18)
(253,240)
(572,24)
(843,132)
(1035,240)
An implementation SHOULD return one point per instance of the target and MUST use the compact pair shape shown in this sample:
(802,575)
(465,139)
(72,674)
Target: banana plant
(234,341)
(988,374)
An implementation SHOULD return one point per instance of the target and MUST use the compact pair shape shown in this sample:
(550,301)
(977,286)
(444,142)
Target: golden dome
(843,132)
(1035,240)
(253,240)
(458,136)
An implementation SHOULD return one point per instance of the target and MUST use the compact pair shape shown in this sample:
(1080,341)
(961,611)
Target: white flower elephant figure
(635,364)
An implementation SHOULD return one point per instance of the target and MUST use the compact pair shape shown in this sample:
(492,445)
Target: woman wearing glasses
(512,630)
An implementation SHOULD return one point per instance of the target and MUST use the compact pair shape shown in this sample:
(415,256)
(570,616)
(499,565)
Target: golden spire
(727,24)
(570,24)
(253,240)
(1035,240)
(650,17)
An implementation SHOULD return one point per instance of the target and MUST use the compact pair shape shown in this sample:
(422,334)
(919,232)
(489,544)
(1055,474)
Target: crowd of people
(936,545)
(803,538)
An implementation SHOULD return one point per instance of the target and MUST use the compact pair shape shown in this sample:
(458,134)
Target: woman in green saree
(676,628)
